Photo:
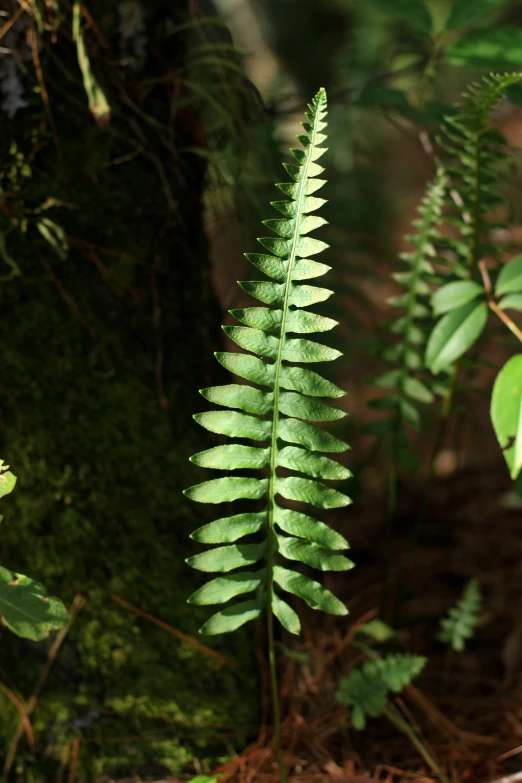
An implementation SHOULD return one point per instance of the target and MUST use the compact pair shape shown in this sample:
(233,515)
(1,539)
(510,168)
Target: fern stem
(273,453)
(395,717)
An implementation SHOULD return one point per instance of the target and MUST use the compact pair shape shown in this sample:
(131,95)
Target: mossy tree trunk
(107,332)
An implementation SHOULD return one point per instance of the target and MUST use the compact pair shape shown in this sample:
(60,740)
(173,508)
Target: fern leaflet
(280,412)
(459,624)
(367,688)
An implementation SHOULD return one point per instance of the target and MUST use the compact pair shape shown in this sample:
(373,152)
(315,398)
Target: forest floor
(467,707)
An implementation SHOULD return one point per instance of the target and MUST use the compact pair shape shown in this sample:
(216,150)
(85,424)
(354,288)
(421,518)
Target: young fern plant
(410,387)
(279,416)
(459,624)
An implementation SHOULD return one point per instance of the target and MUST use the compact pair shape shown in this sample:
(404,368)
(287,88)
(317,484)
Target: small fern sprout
(460,623)
(278,409)
(410,388)
(367,691)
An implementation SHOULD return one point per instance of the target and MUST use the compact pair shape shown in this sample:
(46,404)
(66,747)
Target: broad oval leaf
(464,12)
(26,610)
(309,436)
(246,398)
(229,529)
(454,334)
(489,48)
(506,413)
(510,278)
(233,617)
(416,390)
(455,294)
(312,555)
(227,558)
(511,302)
(224,588)
(286,615)
(234,424)
(312,592)
(227,489)
(232,456)
(303,526)
(311,463)
(7,482)
(308,491)
(414,11)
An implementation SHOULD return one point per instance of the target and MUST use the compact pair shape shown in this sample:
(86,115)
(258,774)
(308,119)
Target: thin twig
(174,631)
(33,700)
(10,22)
(506,319)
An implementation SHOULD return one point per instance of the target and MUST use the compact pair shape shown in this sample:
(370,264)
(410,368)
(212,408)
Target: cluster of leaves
(24,607)
(367,688)
(291,398)
(459,624)
(464,200)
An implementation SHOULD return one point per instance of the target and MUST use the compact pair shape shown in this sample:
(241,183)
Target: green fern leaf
(367,688)
(281,417)
(410,387)
(459,624)
(475,155)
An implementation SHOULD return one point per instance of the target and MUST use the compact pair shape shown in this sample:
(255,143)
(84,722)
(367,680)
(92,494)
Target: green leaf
(454,334)
(510,278)
(222,589)
(291,393)
(232,457)
(260,318)
(459,624)
(308,382)
(490,48)
(26,610)
(227,558)
(311,592)
(230,529)
(388,98)
(312,464)
(246,398)
(454,295)
(464,12)
(286,615)
(225,490)
(310,408)
(7,481)
(237,425)
(309,436)
(306,527)
(506,413)
(313,555)
(249,367)
(511,302)
(254,340)
(377,630)
(417,390)
(232,618)
(304,322)
(414,11)
(313,492)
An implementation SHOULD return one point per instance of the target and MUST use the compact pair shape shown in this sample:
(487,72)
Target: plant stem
(395,717)
(506,320)
(276,715)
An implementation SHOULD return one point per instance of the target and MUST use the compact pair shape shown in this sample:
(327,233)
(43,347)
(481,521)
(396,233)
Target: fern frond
(475,155)
(279,417)
(461,620)
(367,688)
(410,387)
